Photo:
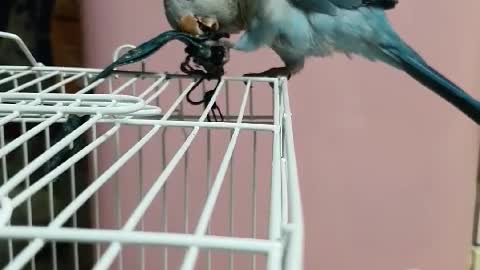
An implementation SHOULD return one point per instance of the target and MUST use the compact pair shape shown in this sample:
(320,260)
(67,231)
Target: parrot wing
(330,6)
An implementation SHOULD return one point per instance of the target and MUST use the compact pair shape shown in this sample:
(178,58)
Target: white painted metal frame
(283,247)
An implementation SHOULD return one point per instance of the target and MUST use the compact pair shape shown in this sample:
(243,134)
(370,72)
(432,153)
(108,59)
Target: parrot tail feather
(417,68)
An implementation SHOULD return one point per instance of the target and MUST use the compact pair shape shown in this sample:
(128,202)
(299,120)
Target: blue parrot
(297,29)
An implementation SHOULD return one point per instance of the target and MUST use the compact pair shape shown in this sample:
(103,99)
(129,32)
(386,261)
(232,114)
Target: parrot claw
(272,73)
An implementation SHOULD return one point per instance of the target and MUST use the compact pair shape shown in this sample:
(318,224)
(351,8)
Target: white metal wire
(147,169)
(21,45)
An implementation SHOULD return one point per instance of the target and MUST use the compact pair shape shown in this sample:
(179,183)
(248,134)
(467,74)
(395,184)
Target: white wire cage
(153,185)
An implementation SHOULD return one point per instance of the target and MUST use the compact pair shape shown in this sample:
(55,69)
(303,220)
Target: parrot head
(198,17)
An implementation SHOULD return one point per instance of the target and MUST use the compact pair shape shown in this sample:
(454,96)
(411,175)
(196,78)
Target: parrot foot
(273,73)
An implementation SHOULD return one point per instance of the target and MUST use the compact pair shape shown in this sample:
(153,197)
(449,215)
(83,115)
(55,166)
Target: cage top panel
(33,93)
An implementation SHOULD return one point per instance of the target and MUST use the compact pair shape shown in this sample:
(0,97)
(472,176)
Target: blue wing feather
(330,6)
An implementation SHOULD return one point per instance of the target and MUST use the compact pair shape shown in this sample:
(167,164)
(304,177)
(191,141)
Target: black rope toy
(213,70)
(208,59)
(203,60)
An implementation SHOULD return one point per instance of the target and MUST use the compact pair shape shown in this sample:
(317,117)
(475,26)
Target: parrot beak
(196,25)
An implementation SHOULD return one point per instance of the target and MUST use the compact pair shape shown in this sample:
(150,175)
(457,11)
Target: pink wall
(384,185)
